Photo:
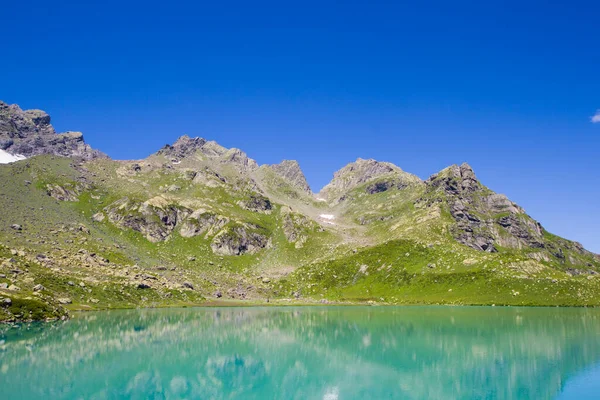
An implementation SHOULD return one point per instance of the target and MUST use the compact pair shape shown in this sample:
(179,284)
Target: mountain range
(197,223)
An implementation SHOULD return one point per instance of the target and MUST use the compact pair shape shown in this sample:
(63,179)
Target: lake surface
(324,353)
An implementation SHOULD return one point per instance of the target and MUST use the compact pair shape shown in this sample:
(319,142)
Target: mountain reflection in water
(302,353)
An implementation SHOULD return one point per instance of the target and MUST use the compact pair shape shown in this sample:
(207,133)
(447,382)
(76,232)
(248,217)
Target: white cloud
(596,117)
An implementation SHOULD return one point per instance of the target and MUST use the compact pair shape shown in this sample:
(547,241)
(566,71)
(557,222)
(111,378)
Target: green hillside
(196,223)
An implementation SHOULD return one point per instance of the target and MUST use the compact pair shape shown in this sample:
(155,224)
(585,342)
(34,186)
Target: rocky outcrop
(63,193)
(480,214)
(486,220)
(183,147)
(202,222)
(385,185)
(238,239)
(155,219)
(30,133)
(290,171)
(360,172)
(296,227)
(186,146)
(239,159)
(257,203)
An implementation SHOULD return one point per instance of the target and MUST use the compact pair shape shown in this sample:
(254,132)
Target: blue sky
(509,87)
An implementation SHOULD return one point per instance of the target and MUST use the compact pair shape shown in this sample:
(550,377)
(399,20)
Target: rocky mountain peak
(183,146)
(240,159)
(359,172)
(455,179)
(30,133)
(291,172)
(487,221)
(186,146)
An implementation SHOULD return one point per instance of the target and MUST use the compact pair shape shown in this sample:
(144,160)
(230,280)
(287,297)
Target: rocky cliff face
(290,171)
(30,133)
(488,221)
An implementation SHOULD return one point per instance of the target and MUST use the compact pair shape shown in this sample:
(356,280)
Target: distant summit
(29,133)
(360,172)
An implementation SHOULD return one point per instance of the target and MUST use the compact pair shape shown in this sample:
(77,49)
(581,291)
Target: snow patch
(320,199)
(7,158)
(329,217)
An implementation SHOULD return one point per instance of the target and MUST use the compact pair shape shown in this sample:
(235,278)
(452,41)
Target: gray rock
(143,285)
(188,285)
(7,302)
(98,217)
(38,287)
(156,220)
(17,227)
(385,185)
(290,171)
(30,133)
(62,193)
(360,172)
(183,147)
(201,222)
(65,300)
(257,202)
(218,294)
(4,285)
(238,240)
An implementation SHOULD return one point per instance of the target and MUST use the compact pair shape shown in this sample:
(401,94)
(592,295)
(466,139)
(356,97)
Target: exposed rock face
(236,240)
(257,203)
(183,147)
(385,185)
(63,193)
(477,212)
(360,172)
(290,171)
(296,227)
(485,220)
(30,133)
(239,159)
(186,146)
(202,222)
(155,218)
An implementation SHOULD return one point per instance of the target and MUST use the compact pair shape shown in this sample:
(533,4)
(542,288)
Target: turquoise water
(324,353)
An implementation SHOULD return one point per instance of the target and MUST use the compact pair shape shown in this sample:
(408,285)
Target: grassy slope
(405,272)
(385,247)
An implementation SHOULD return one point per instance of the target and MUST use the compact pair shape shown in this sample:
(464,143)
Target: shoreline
(234,303)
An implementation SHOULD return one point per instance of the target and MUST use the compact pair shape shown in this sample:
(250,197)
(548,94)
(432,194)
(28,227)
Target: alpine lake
(324,353)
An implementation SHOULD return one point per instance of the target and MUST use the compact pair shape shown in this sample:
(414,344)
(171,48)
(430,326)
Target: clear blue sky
(508,86)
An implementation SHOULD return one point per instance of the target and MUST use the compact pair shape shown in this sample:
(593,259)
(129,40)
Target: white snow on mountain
(6,157)
(327,216)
